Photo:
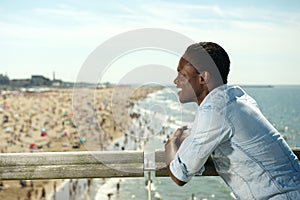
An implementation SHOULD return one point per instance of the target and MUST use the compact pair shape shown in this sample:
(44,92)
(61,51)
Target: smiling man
(248,152)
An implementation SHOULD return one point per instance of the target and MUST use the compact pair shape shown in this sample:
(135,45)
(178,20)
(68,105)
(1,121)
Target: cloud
(66,22)
(64,12)
(244,31)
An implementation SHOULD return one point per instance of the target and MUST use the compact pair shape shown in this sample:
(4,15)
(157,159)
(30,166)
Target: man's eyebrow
(182,74)
(179,71)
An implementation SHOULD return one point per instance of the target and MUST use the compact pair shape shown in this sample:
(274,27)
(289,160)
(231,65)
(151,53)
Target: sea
(160,115)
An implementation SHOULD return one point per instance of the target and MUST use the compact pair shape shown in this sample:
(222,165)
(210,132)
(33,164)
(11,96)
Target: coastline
(31,114)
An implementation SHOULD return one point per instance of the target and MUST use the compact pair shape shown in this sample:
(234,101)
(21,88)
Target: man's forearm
(170,151)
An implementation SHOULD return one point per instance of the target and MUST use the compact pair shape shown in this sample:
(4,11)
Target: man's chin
(183,99)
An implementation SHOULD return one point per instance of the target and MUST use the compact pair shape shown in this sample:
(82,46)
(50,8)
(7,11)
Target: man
(249,154)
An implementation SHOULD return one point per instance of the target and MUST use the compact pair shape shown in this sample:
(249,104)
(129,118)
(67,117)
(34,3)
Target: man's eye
(181,77)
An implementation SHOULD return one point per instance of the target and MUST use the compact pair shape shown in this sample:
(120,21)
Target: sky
(42,37)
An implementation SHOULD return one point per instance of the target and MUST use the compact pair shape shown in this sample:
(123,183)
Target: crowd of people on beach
(35,122)
(34,192)
(31,121)
(44,121)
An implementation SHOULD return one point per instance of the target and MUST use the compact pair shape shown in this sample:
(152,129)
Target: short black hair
(199,55)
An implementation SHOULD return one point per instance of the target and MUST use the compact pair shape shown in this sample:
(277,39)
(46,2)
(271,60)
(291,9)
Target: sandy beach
(46,122)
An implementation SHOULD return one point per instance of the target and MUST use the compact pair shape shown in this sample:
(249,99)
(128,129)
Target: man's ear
(205,77)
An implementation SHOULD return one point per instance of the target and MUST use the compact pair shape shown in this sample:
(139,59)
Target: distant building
(37,80)
(20,82)
(4,80)
(57,83)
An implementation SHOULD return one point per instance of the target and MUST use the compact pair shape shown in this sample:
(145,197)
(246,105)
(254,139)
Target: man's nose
(175,80)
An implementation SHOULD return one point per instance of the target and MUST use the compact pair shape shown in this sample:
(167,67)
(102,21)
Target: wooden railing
(91,164)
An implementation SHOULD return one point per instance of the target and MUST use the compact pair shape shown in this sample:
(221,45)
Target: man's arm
(171,147)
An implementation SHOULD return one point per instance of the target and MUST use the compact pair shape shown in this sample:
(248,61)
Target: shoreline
(29,115)
(53,191)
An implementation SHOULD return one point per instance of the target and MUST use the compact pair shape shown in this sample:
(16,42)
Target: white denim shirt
(248,152)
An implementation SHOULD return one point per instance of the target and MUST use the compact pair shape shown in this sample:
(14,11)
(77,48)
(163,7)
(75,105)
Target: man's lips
(179,90)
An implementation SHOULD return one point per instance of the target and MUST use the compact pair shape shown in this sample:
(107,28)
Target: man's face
(187,82)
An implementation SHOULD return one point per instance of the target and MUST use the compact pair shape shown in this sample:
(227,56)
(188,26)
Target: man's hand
(180,135)
(174,143)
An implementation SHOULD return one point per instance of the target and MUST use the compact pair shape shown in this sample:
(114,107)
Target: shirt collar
(213,93)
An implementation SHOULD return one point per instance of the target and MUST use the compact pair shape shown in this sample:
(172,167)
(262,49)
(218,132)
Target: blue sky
(39,37)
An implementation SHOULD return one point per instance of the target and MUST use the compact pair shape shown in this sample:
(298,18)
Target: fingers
(177,132)
(180,131)
(181,136)
(185,127)
(177,136)
(184,135)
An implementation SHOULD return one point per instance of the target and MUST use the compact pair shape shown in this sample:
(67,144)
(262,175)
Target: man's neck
(207,89)
(203,94)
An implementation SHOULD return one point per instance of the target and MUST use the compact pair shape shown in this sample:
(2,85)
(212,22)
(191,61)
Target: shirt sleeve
(210,129)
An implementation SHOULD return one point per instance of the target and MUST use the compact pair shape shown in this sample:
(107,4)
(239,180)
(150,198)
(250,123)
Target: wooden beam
(60,165)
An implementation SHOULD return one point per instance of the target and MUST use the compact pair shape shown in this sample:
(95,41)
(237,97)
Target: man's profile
(248,152)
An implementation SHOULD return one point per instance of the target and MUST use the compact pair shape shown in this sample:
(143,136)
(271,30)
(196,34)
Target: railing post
(149,185)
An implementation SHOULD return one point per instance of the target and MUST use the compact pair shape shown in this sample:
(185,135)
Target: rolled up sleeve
(206,134)
(179,170)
